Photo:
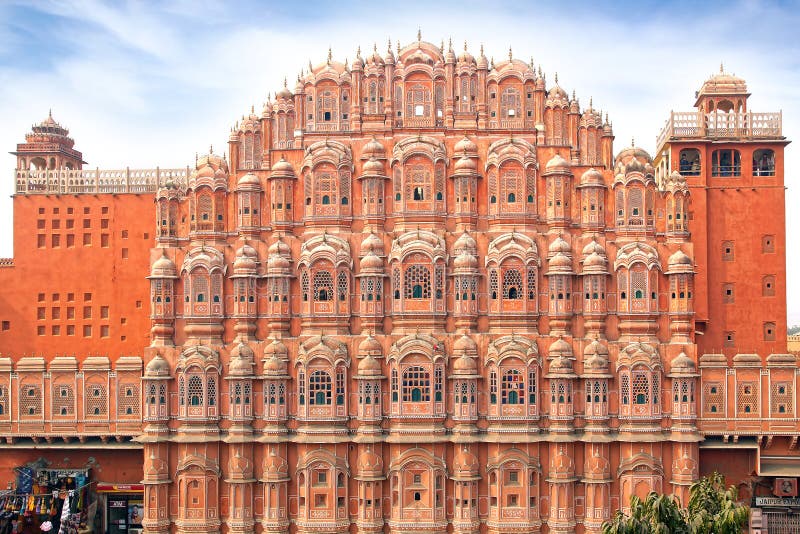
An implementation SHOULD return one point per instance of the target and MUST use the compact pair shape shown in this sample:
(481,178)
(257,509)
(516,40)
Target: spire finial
(398,47)
(491,63)
(510,54)
(465,45)
(284,82)
(310,67)
(633,143)
(590,102)
(50,113)
(330,55)
(419,34)
(374,47)
(531,62)
(481,49)
(358,51)
(441,46)
(721,69)
(389,49)
(556,78)
(573,94)
(606,116)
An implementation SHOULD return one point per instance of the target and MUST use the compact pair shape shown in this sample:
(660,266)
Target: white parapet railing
(93,181)
(718,124)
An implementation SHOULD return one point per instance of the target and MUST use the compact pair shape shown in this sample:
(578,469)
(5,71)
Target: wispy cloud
(151,83)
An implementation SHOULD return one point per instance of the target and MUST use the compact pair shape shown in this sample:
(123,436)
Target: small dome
(464,345)
(157,367)
(560,262)
(592,177)
(559,245)
(560,365)
(370,345)
(373,149)
(241,365)
(466,57)
(282,169)
(682,364)
(373,243)
(242,350)
(369,464)
(372,167)
(465,242)
(593,247)
(275,366)
(483,62)
(249,181)
(465,464)
(559,347)
(371,262)
(369,366)
(465,164)
(634,165)
(595,262)
(278,262)
(595,348)
(557,164)
(465,146)
(279,247)
(465,365)
(679,259)
(465,260)
(557,97)
(245,259)
(284,93)
(276,348)
(163,267)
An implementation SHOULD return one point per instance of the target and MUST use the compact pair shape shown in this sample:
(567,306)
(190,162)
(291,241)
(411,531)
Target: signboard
(119,488)
(778,501)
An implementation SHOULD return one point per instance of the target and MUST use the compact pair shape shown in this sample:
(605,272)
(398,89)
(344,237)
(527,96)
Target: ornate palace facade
(419,294)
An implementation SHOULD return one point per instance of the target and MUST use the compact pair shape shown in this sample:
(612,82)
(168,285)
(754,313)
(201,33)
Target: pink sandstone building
(419,293)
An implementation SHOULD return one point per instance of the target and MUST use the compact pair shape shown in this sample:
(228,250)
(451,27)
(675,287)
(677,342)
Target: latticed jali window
(96,400)
(513,387)
(323,286)
(3,401)
(747,399)
(416,385)
(320,388)
(713,398)
(128,400)
(512,284)
(781,398)
(63,400)
(30,401)
(417,282)
(195,391)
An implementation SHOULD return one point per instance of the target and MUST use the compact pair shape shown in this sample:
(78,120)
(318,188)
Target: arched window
(513,387)
(689,162)
(512,284)
(416,385)
(726,162)
(319,389)
(417,282)
(195,391)
(764,162)
(323,286)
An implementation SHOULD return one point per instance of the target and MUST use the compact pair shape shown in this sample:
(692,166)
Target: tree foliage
(712,509)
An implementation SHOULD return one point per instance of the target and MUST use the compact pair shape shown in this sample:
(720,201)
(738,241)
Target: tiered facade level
(419,294)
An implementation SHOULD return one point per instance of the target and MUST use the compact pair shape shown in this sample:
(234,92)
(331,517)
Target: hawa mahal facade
(419,293)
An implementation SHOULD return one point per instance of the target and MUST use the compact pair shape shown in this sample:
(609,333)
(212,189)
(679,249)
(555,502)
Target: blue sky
(142,84)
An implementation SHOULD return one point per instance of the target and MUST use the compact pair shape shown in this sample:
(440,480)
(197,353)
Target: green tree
(712,509)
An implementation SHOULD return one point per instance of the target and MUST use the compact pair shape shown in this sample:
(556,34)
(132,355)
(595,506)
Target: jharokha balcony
(721,125)
(78,181)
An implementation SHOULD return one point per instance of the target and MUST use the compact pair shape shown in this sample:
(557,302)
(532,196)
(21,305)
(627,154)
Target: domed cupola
(369,465)
(465,464)
(158,367)
(557,97)
(557,165)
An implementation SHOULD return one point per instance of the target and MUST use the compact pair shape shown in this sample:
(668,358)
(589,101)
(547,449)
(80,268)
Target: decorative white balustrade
(717,124)
(83,181)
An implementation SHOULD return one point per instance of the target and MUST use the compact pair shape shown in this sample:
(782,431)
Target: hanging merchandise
(64,516)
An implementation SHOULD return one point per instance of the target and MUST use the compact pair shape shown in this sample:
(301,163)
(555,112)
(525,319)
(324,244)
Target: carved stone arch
(336,153)
(514,245)
(420,455)
(637,252)
(423,145)
(513,346)
(200,356)
(326,247)
(513,455)
(640,462)
(417,344)
(325,457)
(637,354)
(328,348)
(421,241)
(208,258)
(198,462)
(511,149)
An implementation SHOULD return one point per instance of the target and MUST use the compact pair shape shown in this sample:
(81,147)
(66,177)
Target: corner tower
(48,147)
(732,157)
